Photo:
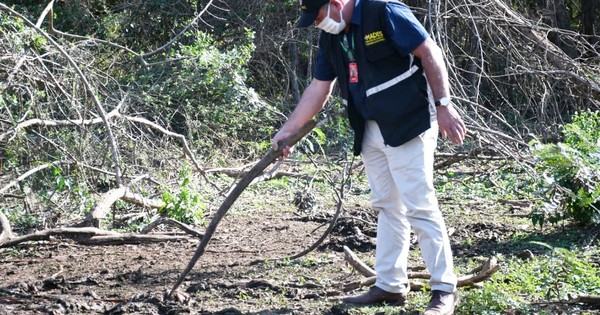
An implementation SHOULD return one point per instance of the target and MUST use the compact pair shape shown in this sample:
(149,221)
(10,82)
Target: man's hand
(312,101)
(451,125)
(280,136)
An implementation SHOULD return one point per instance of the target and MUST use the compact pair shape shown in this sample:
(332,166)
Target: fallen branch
(58,123)
(483,272)
(486,270)
(27,174)
(95,236)
(269,158)
(590,300)
(123,239)
(587,299)
(168,221)
(105,203)
(358,264)
(90,236)
(72,233)
(139,200)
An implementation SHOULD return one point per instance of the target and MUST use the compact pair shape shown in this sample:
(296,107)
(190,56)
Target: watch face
(444,101)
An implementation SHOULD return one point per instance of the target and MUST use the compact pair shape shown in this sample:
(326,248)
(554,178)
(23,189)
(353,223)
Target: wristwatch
(444,101)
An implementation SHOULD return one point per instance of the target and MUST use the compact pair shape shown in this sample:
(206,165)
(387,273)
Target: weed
(186,205)
(558,277)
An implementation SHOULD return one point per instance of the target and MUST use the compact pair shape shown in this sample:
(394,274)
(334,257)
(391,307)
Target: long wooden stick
(271,156)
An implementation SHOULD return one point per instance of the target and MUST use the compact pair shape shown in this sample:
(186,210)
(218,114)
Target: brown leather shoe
(375,296)
(442,303)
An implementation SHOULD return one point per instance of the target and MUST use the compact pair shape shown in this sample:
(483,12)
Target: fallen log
(90,236)
(72,233)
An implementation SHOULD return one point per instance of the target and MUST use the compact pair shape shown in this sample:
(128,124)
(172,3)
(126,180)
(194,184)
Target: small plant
(571,170)
(569,275)
(186,205)
(559,277)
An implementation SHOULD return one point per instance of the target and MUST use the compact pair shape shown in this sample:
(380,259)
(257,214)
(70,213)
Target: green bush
(184,205)
(205,96)
(572,171)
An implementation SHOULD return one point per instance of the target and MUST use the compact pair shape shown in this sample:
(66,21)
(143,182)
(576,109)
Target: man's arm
(312,101)
(450,123)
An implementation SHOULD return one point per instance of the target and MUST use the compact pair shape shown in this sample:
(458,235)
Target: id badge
(353,72)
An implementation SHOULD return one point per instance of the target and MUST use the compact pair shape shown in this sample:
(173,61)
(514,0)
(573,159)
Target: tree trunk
(563,21)
(588,16)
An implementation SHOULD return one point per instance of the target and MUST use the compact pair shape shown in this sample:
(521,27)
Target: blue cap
(310,10)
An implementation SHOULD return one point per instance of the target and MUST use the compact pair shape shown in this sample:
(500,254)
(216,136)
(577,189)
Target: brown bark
(358,264)
(481,273)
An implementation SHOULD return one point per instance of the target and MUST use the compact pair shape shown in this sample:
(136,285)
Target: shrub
(572,172)
(185,205)
(205,96)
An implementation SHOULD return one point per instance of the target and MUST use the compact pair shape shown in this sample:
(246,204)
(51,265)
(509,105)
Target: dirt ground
(239,273)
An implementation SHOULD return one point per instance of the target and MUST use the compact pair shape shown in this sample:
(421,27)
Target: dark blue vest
(396,89)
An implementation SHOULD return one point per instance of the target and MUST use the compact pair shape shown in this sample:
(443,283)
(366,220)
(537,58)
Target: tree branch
(483,272)
(88,87)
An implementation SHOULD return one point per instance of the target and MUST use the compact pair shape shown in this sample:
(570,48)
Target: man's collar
(356,14)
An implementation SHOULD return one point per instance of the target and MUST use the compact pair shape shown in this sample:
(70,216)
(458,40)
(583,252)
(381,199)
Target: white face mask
(330,26)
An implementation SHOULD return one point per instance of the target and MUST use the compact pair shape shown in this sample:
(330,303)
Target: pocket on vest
(399,102)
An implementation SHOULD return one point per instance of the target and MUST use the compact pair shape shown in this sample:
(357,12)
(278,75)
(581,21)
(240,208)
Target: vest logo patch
(374,38)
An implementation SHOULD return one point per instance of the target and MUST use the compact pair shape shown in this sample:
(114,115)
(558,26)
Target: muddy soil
(240,272)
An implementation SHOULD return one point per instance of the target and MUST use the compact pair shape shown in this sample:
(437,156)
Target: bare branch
(486,270)
(105,203)
(357,263)
(235,193)
(181,138)
(139,56)
(27,174)
(58,123)
(89,89)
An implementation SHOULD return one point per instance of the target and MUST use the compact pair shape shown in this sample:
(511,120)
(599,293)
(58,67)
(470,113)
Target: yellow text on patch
(374,38)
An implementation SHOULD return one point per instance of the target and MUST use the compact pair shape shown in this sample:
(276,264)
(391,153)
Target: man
(394,82)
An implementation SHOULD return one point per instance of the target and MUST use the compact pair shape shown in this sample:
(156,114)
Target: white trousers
(401,180)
